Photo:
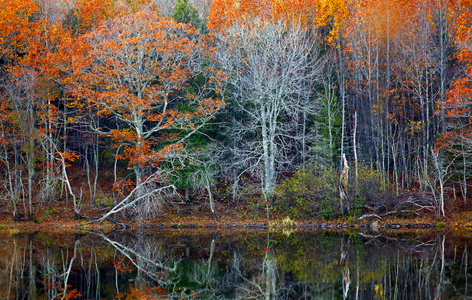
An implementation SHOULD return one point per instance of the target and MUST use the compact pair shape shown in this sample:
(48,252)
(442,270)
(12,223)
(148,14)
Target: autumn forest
(308,109)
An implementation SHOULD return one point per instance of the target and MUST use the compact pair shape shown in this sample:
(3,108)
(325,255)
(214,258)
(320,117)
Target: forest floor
(58,215)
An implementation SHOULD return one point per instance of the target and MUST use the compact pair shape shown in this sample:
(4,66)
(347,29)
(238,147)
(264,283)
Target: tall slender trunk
(387,86)
(69,188)
(32,270)
(355,152)
(343,101)
(96,160)
(395,164)
(30,160)
(464,173)
(268,148)
(442,66)
(210,198)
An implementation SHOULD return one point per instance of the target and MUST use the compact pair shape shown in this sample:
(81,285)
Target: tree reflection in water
(220,265)
(262,280)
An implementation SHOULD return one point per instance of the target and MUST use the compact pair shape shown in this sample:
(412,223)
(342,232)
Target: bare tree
(329,112)
(21,92)
(441,169)
(203,178)
(270,68)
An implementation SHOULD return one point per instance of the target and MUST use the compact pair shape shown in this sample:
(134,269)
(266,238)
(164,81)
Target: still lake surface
(178,264)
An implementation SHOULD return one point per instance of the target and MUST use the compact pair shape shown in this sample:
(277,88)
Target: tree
(270,68)
(88,14)
(30,118)
(17,27)
(455,106)
(136,70)
(184,12)
(21,92)
(441,169)
(328,121)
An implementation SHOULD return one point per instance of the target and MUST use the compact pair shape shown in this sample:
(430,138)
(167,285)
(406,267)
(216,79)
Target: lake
(199,264)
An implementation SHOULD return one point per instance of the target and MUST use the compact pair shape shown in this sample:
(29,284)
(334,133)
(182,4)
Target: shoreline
(261,224)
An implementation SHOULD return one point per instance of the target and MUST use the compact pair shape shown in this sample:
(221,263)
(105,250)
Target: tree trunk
(355,152)
(212,202)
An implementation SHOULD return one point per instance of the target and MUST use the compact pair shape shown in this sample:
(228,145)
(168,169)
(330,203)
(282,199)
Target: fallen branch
(125,204)
(369,235)
(407,205)
(368,216)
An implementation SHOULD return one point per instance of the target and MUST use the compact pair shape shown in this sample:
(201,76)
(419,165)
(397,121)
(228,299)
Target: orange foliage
(72,294)
(315,13)
(123,266)
(93,12)
(135,67)
(458,106)
(458,101)
(145,292)
(17,26)
(463,28)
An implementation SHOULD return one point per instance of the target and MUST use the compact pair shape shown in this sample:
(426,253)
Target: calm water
(235,265)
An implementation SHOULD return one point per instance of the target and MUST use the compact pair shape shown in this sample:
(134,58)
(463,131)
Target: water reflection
(241,265)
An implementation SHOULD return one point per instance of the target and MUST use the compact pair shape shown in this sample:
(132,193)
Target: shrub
(312,192)
(440,226)
(370,184)
(351,220)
